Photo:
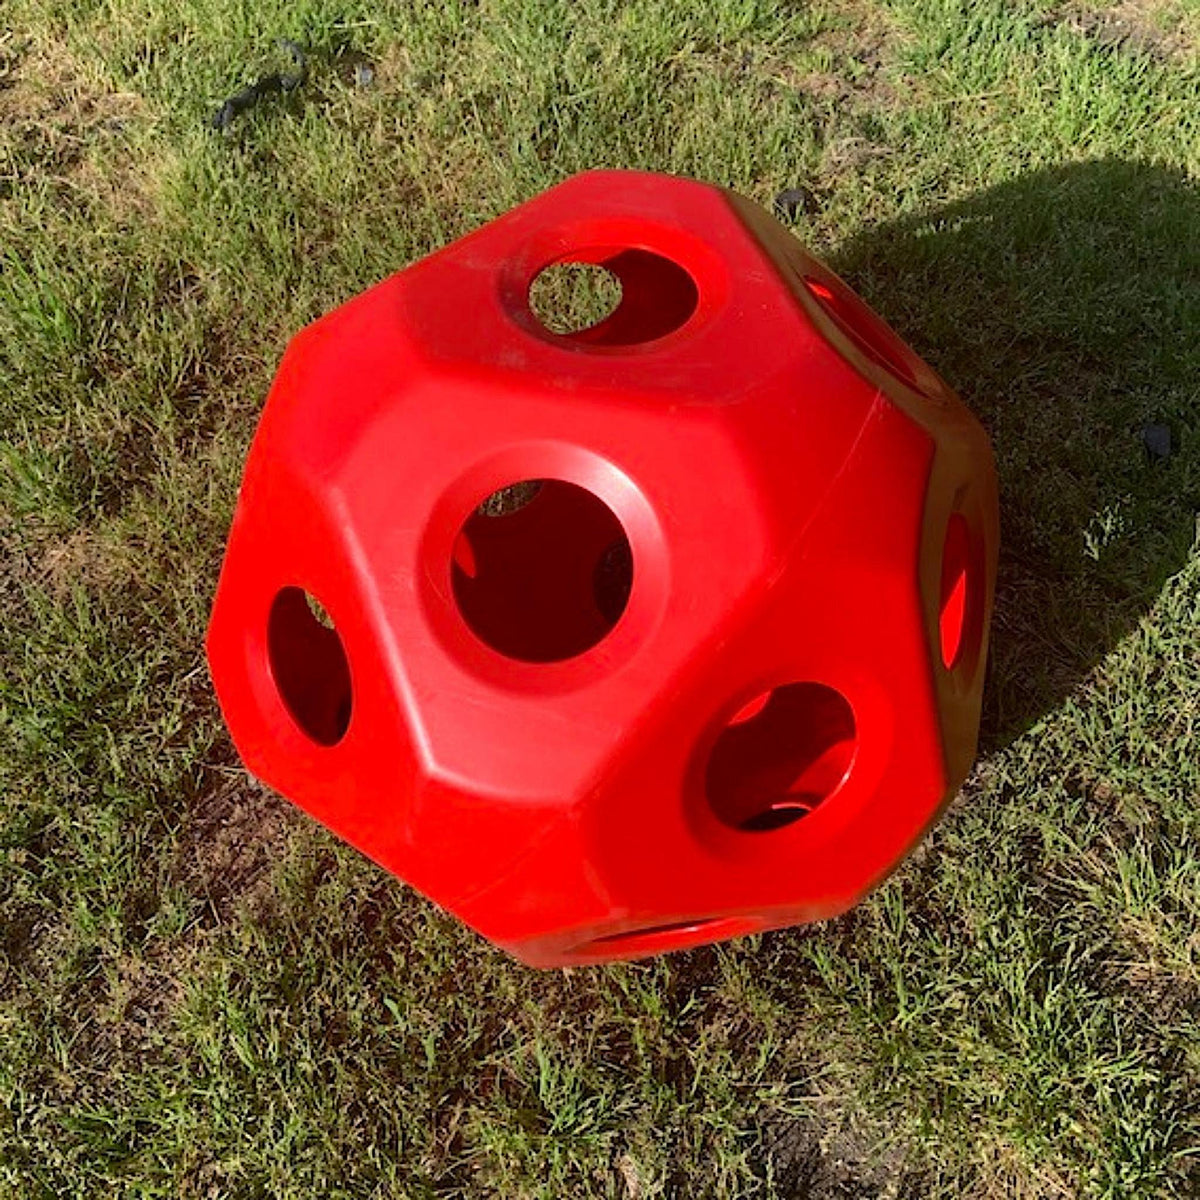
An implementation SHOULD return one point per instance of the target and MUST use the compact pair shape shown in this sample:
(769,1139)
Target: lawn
(204,995)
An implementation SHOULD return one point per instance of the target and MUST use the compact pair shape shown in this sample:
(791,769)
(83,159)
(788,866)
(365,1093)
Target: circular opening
(955,590)
(613,297)
(546,579)
(864,328)
(569,297)
(780,756)
(653,932)
(309,665)
(658,939)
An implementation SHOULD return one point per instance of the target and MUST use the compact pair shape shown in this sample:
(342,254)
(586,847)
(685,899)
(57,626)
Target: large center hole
(613,297)
(309,665)
(780,756)
(542,570)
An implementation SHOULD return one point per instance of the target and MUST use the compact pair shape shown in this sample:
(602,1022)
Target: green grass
(201,994)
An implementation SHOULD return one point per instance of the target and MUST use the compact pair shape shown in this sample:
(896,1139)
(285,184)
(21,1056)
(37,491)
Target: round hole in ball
(547,579)
(780,756)
(613,297)
(309,665)
(958,627)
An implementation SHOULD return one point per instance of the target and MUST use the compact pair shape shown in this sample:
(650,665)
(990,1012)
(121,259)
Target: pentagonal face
(559,561)
(699,318)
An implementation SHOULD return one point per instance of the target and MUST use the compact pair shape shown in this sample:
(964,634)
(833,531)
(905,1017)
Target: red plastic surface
(716,674)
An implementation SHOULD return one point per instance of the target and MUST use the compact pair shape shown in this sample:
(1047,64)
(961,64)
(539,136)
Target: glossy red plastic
(714,669)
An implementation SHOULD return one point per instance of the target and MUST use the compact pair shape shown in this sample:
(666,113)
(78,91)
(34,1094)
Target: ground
(203,995)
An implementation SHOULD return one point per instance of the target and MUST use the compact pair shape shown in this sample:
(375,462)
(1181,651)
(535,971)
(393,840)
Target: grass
(201,994)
